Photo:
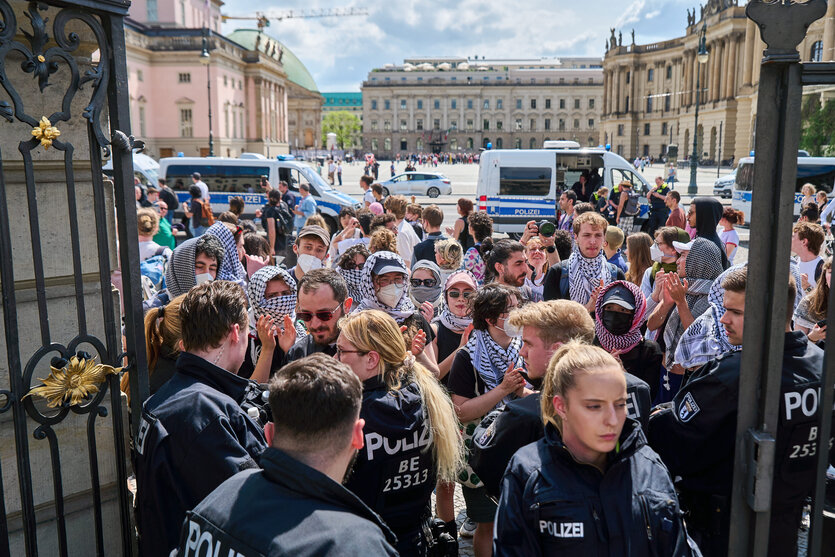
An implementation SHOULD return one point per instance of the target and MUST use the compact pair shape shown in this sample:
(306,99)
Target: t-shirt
(308,208)
(730,237)
(289,198)
(150,249)
(406,241)
(165,236)
(204,189)
(368,197)
(463,379)
(808,268)
(676,218)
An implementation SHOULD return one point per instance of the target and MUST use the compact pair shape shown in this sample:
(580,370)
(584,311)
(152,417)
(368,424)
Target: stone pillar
(829,33)
(617,94)
(748,53)
(731,90)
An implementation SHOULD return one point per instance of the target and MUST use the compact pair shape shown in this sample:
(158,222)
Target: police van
(515,186)
(145,169)
(242,177)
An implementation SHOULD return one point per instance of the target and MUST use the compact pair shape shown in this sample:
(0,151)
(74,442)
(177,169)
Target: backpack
(152,272)
(206,216)
(631,207)
(565,294)
(281,214)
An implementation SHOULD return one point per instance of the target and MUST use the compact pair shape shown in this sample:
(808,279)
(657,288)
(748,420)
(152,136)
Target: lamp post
(702,56)
(206,59)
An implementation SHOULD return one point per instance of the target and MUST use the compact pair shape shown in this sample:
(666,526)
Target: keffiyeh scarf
(404,308)
(446,317)
(621,343)
(276,307)
(490,360)
(353,279)
(584,274)
(179,276)
(231,268)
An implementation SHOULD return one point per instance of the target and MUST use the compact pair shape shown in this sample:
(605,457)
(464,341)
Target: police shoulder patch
(483,438)
(687,408)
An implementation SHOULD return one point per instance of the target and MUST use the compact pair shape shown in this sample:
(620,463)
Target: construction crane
(263,19)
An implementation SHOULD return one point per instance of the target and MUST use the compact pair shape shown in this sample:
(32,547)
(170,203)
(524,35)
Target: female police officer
(411,433)
(592,486)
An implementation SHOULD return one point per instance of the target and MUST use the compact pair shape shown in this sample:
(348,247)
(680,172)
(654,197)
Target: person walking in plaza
(193,210)
(628,207)
(167,194)
(703,215)
(658,211)
(407,239)
(365,185)
(165,236)
(295,504)
(339,171)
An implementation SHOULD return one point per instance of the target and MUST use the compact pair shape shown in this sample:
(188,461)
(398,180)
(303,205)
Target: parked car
(417,183)
(724,186)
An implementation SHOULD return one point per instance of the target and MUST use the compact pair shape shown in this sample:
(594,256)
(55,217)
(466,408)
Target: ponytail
(485,248)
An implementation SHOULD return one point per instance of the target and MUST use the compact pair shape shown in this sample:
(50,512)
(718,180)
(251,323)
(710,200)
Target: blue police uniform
(287,508)
(553,505)
(193,435)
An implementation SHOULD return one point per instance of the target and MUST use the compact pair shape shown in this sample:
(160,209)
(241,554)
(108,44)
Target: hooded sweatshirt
(708,213)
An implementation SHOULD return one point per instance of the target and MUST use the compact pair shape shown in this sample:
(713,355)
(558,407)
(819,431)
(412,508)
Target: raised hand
(287,337)
(266,329)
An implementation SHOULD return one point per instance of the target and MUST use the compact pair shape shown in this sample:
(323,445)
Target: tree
(345,125)
(818,126)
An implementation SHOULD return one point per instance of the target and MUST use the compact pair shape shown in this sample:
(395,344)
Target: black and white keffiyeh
(584,274)
(276,307)
(353,279)
(179,276)
(446,317)
(231,268)
(490,360)
(368,297)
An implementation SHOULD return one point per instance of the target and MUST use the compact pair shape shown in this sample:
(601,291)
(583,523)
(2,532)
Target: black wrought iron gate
(63,448)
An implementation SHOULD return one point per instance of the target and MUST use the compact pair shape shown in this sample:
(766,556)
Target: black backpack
(282,215)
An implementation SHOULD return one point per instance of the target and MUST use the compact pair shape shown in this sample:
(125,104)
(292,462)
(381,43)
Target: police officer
(696,436)
(296,505)
(591,486)
(411,434)
(658,210)
(193,433)
(545,326)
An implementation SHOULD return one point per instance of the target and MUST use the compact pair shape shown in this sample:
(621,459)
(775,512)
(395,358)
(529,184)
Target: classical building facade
(650,90)
(262,97)
(461,104)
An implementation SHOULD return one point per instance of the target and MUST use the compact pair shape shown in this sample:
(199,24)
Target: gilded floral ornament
(74,382)
(45,132)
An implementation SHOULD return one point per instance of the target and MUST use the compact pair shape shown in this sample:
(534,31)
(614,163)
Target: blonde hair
(571,360)
(596,220)
(556,320)
(529,245)
(382,239)
(147,222)
(638,247)
(316,220)
(614,237)
(451,252)
(808,189)
(374,330)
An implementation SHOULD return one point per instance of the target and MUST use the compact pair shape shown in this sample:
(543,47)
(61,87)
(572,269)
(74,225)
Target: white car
(417,183)
(724,186)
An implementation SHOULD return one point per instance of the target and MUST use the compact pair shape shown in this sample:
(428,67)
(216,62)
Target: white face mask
(655,253)
(511,330)
(203,277)
(391,294)
(308,262)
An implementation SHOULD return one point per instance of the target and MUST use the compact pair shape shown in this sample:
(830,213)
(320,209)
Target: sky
(340,51)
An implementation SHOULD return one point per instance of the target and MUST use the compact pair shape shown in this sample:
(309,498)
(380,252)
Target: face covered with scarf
(350,266)
(272,291)
(619,313)
(426,283)
(231,268)
(385,286)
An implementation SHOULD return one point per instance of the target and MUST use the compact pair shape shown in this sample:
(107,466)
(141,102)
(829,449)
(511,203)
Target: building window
(626,104)
(374,125)
(649,104)
(470,143)
(669,72)
(437,104)
(499,143)
(816,52)
(374,105)
(591,123)
(420,104)
(453,144)
(470,103)
(664,128)
(240,84)
(186,129)
(139,75)
(387,104)
(183,13)
(499,105)
(436,124)
(470,125)
(225,81)
(184,78)
(486,105)
(562,103)
(518,104)
(591,103)
(403,125)
(453,124)
(419,124)
(667,102)
(547,123)
(152,10)
(562,124)
(533,103)
(650,74)
(576,124)
(620,130)
(628,75)
(226,120)
(142,132)
(485,142)
(419,144)
(485,125)
(234,125)
(404,145)
(646,129)
(453,104)
(387,125)
(532,143)
(375,145)
(547,103)
(498,124)
(533,124)
(387,144)
(518,124)
(402,104)
(576,103)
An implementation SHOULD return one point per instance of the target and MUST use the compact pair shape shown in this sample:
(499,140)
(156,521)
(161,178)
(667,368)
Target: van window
(524,181)
(293,178)
(569,167)
(236,179)
(745,177)
(620,175)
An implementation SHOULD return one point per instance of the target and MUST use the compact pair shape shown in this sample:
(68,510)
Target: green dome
(296,72)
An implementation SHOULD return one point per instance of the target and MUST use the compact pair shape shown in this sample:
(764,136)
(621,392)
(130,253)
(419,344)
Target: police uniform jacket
(193,435)
(503,432)
(287,508)
(553,505)
(395,472)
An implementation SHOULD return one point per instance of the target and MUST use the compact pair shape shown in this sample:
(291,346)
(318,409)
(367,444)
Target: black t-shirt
(463,379)
(416,320)
(448,342)
(253,351)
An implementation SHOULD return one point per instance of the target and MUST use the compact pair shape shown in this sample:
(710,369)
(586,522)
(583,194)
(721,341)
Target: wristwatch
(550,249)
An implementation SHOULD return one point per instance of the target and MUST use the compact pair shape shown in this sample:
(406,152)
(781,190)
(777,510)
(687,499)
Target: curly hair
(482,225)
(383,239)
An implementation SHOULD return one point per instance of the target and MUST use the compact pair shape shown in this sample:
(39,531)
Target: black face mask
(617,323)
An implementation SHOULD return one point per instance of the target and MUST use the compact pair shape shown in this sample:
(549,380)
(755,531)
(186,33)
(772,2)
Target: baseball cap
(196,175)
(621,296)
(317,231)
(461,278)
(152,187)
(383,266)
(681,246)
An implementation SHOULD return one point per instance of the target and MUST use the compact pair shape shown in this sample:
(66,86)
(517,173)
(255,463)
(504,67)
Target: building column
(731,90)
(829,33)
(617,94)
(606,83)
(726,64)
(748,53)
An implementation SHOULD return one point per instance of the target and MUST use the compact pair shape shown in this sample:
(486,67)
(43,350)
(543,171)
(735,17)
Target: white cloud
(651,15)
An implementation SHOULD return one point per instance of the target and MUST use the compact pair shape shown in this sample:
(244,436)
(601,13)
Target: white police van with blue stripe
(242,177)
(516,186)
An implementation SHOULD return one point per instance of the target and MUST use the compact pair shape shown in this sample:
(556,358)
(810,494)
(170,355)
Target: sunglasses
(307,316)
(456,294)
(430,282)
(351,265)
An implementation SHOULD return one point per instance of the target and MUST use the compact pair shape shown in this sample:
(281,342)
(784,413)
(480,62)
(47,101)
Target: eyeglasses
(340,351)
(351,265)
(307,316)
(400,279)
(430,282)
(456,294)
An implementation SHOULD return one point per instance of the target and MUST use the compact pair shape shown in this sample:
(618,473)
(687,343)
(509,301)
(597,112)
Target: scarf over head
(231,268)
(620,343)
(708,213)
(276,307)
(446,317)
(490,360)
(704,265)
(584,274)
(179,276)
(353,279)
(427,293)
(368,297)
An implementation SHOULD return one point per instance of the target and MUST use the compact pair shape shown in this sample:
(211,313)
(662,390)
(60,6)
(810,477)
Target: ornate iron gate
(64,97)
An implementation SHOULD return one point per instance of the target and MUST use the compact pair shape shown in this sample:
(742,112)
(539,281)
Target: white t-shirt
(406,241)
(730,237)
(808,268)
(204,189)
(368,197)
(149,249)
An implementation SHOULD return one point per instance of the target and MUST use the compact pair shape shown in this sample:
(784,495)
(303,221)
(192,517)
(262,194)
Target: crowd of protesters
(313,389)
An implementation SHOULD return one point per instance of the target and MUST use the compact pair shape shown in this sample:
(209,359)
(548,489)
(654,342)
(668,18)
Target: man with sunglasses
(165,236)
(322,301)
